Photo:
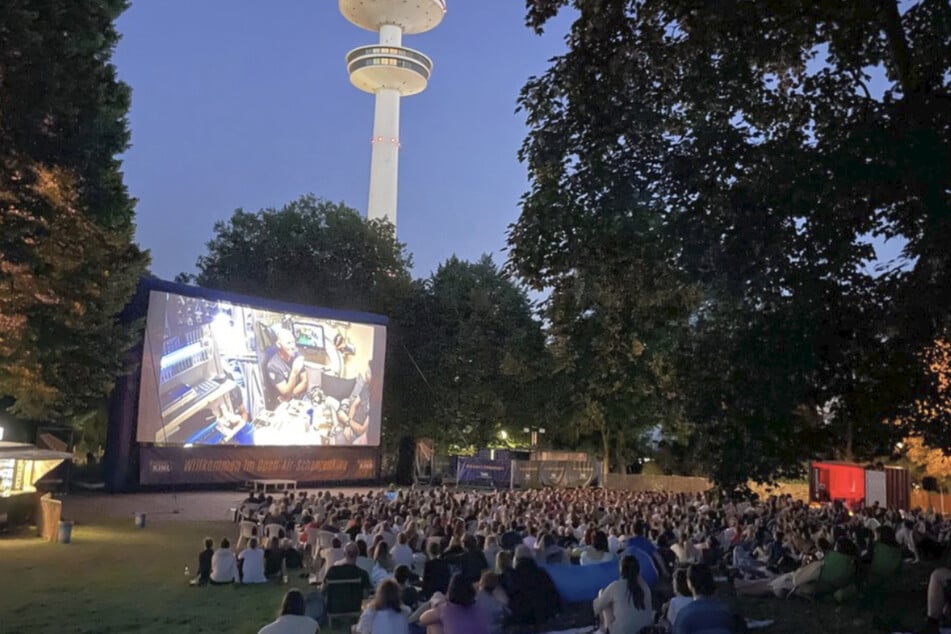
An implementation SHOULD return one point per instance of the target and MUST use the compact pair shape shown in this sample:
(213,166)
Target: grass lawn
(114,577)
(117,578)
(899,606)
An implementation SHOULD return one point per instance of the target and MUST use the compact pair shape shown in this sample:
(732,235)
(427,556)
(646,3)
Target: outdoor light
(526,429)
(1,433)
(504,435)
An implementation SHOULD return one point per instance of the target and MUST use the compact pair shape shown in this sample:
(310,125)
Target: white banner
(875,488)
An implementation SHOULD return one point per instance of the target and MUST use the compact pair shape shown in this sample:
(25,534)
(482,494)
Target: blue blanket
(577,584)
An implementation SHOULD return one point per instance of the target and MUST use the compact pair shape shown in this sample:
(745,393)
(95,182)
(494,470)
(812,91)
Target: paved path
(189,506)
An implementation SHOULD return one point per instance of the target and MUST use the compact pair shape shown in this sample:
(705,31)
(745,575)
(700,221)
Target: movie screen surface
(221,373)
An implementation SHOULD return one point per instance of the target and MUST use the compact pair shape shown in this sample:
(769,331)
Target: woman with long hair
(625,605)
(386,614)
(459,613)
(292,616)
(383,565)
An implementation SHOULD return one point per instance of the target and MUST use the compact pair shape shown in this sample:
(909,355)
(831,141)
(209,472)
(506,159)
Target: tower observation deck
(389,71)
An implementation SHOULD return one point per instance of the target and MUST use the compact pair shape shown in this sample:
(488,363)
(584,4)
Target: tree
(309,251)
(751,133)
(615,323)
(481,354)
(929,410)
(68,263)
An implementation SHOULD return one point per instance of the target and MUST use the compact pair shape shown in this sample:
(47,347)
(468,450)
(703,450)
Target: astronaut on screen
(285,369)
(335,411)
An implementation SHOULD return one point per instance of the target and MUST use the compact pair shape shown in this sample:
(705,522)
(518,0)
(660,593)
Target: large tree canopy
(480,352)
(309,251)
(754,133)
(67,260)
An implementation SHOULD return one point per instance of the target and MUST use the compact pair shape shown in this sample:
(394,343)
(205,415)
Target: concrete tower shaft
(390,71)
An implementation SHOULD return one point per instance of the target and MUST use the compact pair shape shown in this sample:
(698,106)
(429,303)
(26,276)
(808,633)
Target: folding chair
(886,561)
(325,539)
(343,598)
(246,530)
(273,530)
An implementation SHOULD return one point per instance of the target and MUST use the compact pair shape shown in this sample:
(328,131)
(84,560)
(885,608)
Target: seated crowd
(450,562)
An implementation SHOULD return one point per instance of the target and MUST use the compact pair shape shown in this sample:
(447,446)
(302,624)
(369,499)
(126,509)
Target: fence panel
(665,483)
(554,473)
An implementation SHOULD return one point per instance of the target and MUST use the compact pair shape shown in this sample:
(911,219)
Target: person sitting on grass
(383,565)
(459,613)
(224,566)
(683,597)
(291,618)
(625,605)
(409,595)
(386,614)
(597,552)
(705,613)
(252,563)
(436,572)
(493,601)
(533,598)
(293,558)
(204,564)
(274,565)
(363,558)
(402,553)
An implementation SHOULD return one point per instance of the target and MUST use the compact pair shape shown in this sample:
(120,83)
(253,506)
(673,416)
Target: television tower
(389,70)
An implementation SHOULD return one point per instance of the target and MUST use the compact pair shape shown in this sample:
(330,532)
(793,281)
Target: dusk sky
(248,104)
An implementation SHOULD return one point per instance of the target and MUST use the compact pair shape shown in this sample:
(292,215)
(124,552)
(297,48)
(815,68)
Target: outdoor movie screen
(222,373)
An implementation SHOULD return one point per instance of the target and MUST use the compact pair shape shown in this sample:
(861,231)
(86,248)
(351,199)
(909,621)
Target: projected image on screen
(222,373)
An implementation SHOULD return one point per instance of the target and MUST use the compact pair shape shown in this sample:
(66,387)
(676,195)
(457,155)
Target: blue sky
(240,103)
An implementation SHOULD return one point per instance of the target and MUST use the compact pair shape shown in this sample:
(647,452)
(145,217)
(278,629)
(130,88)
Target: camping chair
(838,572)
(886,560)
(343,598)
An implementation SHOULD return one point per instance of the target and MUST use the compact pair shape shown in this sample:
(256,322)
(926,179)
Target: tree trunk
(619,453)
(848,439)
(898,46)
(606,468)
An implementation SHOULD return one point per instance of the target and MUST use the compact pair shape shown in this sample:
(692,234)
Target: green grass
(114,577)
(898,606)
